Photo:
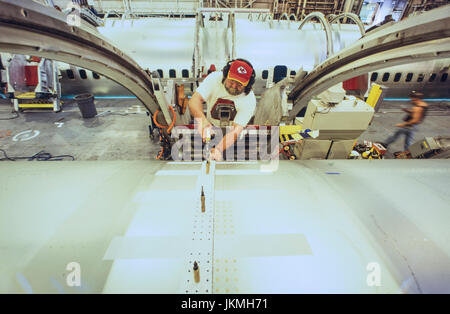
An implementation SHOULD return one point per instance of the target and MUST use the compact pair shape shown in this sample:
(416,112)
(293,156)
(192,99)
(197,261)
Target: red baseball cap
(240,71)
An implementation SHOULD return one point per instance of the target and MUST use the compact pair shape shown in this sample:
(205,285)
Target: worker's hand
(207,132)
(201,126)
(216,155)
(400,125)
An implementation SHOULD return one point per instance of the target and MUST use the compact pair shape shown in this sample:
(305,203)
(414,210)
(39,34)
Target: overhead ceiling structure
(278,7)
(297,9)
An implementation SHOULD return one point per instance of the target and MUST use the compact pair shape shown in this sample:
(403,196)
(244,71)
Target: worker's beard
(233,91)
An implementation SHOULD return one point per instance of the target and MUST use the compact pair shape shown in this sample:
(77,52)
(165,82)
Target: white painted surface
(310,226)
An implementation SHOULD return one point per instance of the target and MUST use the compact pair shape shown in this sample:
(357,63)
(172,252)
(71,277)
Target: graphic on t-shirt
(223,109)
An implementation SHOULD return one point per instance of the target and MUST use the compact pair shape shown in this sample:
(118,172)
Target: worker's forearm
(196,110)
(409,123)
(228,140)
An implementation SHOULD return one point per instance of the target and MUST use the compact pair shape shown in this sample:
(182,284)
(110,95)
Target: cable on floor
(40,156)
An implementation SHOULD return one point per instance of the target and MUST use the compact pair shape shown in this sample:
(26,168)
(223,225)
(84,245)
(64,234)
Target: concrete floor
(123,133)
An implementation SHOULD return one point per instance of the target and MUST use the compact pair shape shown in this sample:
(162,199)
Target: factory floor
(121,131)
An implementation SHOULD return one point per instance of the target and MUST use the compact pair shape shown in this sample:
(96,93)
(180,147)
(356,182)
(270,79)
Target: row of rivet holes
(198,262)
(190,262)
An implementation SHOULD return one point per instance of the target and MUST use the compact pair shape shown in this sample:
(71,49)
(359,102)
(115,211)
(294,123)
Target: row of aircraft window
(409,77)
(172,74)
(83,74)
(265,74)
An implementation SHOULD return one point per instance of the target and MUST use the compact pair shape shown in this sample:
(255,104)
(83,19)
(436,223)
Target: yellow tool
(196,272)
(207,147)
(202,197)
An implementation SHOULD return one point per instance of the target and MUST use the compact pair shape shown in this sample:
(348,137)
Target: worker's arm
(229,139)
(196,110)
(416,113)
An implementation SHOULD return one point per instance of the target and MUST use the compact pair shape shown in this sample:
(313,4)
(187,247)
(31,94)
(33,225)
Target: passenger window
(432,77)
(83,74)
(279,73)
(420,77)
(293,73)
(265,74)
(95,75)
(409,77)
(397,77)
(444,77)
(185,73)
(385,77)
(161,74)
(70,74)
(374,77)
(172,73)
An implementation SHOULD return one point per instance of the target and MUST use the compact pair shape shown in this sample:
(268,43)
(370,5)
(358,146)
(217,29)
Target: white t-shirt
(212,88)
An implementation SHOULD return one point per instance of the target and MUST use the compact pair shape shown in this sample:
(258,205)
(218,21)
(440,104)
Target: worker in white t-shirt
(231,86)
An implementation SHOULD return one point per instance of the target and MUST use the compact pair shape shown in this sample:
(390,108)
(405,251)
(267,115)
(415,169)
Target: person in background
(409,127)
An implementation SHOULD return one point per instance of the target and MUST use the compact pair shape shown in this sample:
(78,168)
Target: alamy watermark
(73,279)
(259,143)
(373,278)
